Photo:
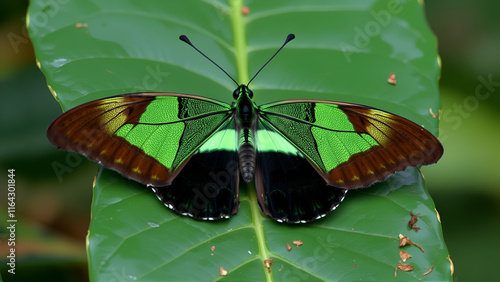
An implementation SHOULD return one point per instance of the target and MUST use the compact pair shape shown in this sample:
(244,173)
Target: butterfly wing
(147,137)
(207,186)
(351,145)
(288,188)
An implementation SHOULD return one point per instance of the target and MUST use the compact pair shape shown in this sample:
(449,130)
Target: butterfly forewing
(352,145)
(147,137)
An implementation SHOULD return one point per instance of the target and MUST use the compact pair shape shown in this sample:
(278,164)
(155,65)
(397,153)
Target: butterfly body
(245,125)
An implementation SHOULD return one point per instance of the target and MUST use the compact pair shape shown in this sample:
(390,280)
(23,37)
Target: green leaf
(343,51)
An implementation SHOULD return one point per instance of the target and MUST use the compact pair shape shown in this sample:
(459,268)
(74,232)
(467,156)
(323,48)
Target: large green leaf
(342,51)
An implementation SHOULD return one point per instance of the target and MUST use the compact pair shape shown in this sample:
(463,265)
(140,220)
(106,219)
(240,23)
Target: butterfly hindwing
(147,137)
(352,145)
(207,186)
(289,189)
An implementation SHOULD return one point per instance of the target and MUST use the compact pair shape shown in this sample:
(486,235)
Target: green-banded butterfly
(304,155)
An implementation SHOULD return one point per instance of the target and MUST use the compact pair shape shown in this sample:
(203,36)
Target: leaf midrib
(242,67)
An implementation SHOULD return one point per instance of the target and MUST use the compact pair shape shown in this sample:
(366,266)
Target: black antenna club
(289,38)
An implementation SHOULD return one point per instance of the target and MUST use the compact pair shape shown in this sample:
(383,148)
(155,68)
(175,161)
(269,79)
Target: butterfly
(303,155)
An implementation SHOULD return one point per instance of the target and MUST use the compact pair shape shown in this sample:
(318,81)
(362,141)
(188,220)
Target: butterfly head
(242,90)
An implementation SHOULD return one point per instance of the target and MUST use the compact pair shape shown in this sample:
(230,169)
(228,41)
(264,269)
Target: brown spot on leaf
(245,10)
(268,263)
(403,267)
(392,78)
(405,241)
(433,114)
(429,271)
(222,271)
(404,255)
(412,222)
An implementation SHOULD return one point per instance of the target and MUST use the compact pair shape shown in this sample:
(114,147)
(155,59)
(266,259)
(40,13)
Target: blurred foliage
(463,184)
(52,224)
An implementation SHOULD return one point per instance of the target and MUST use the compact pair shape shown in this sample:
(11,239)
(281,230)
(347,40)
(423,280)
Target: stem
(242,67)
(240,45)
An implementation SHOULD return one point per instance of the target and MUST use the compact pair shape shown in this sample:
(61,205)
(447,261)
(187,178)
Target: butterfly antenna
(289,38)
(185,39)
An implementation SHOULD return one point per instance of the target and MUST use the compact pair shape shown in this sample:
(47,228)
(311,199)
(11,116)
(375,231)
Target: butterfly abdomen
(246,155)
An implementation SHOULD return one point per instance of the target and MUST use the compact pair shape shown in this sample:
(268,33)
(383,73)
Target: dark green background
(463,184)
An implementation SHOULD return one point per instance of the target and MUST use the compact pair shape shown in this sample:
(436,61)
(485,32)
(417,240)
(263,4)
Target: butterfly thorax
(245,124)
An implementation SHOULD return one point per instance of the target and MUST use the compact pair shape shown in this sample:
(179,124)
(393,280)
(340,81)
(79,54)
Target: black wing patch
(207,186)
(289,189)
